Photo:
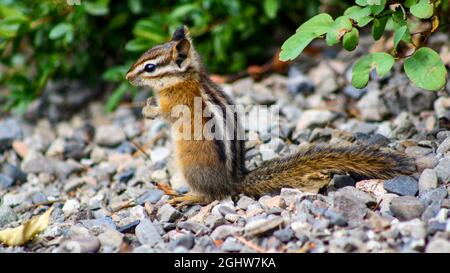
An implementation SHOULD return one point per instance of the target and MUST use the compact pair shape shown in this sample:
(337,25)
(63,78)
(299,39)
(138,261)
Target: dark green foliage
(56,39)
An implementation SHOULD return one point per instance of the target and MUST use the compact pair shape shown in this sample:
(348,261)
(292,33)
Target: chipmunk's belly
(202,168)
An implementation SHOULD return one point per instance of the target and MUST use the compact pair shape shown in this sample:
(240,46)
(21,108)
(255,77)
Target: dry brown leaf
(22,234)
(434,23)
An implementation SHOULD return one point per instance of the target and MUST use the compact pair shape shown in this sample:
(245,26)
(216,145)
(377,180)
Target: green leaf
(368,2)
(361,2)
(359,15)
(350,40)
(61,30)
(117,95)
(426,69)
(271,8)
(409,3)
(97,8)
(378,26)
(340,26)
(381,62)
(309,30)
(115,74)
(138,45)
(293,46)
(378,8)
(149,30)
(318,24)
(398,35)
(9,27)
(423,9)
(135,6)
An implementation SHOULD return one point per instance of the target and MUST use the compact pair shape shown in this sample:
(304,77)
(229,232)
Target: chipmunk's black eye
(149,68)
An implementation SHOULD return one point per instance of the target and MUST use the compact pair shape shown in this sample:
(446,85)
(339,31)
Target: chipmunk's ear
(181,33)
(183,45)
(182,51)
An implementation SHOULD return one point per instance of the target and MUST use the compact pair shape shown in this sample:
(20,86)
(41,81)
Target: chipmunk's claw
(187,200)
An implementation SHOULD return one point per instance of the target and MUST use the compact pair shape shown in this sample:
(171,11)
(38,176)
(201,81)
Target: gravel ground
(109,196)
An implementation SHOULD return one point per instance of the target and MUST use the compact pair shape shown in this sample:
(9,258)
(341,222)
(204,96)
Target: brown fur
(214,173)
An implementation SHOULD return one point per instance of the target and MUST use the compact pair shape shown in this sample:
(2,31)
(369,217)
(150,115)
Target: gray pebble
(428,180)
(402,185)
(147,233)
(167,213)
(406,207)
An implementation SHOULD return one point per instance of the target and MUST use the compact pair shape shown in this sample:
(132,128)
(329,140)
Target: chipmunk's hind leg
(187,200)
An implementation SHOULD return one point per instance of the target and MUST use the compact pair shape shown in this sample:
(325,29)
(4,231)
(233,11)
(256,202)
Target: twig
(251,244)
(141,149)
(45,203)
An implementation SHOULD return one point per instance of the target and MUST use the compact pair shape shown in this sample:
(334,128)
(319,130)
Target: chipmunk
(215,168)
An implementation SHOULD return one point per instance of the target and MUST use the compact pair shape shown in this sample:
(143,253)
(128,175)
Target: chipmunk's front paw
(151,110)
(187,200)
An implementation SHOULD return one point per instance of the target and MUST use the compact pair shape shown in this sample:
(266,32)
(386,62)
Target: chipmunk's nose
(129,76)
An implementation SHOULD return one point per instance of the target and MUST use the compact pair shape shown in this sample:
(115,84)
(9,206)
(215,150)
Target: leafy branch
(423,67)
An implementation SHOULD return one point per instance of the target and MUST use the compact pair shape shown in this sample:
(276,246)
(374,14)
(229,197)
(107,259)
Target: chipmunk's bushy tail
(313,168)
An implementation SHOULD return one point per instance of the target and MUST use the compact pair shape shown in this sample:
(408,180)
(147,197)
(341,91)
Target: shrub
(423,66)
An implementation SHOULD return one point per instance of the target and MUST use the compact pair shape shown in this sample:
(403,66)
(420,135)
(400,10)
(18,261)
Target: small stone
(443,170)
(7,215)
(231,245)
(147,233)
(433,195)
(159,176)
(413,228)
(262,225)
(340,181)
(186,241)
(310,118)
(126,175)
(443,147)
(14,172)
(70,207)
(335,218)
(105,222)
(406,207)
(5,181)
(222,232)
(130,227)
(80,244)
(426,162)
(167,213)
(351,208)
(152,196)
(428,180)
(417,151)
(379,140)
(159,154)
(361,196)
(110,240)
(244,202)
(438,246)
(9,131)
(284,235)
(373,187)
(371,106)
(36,163)
(386,201)
(290,195)
(402,185)
(109,135)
